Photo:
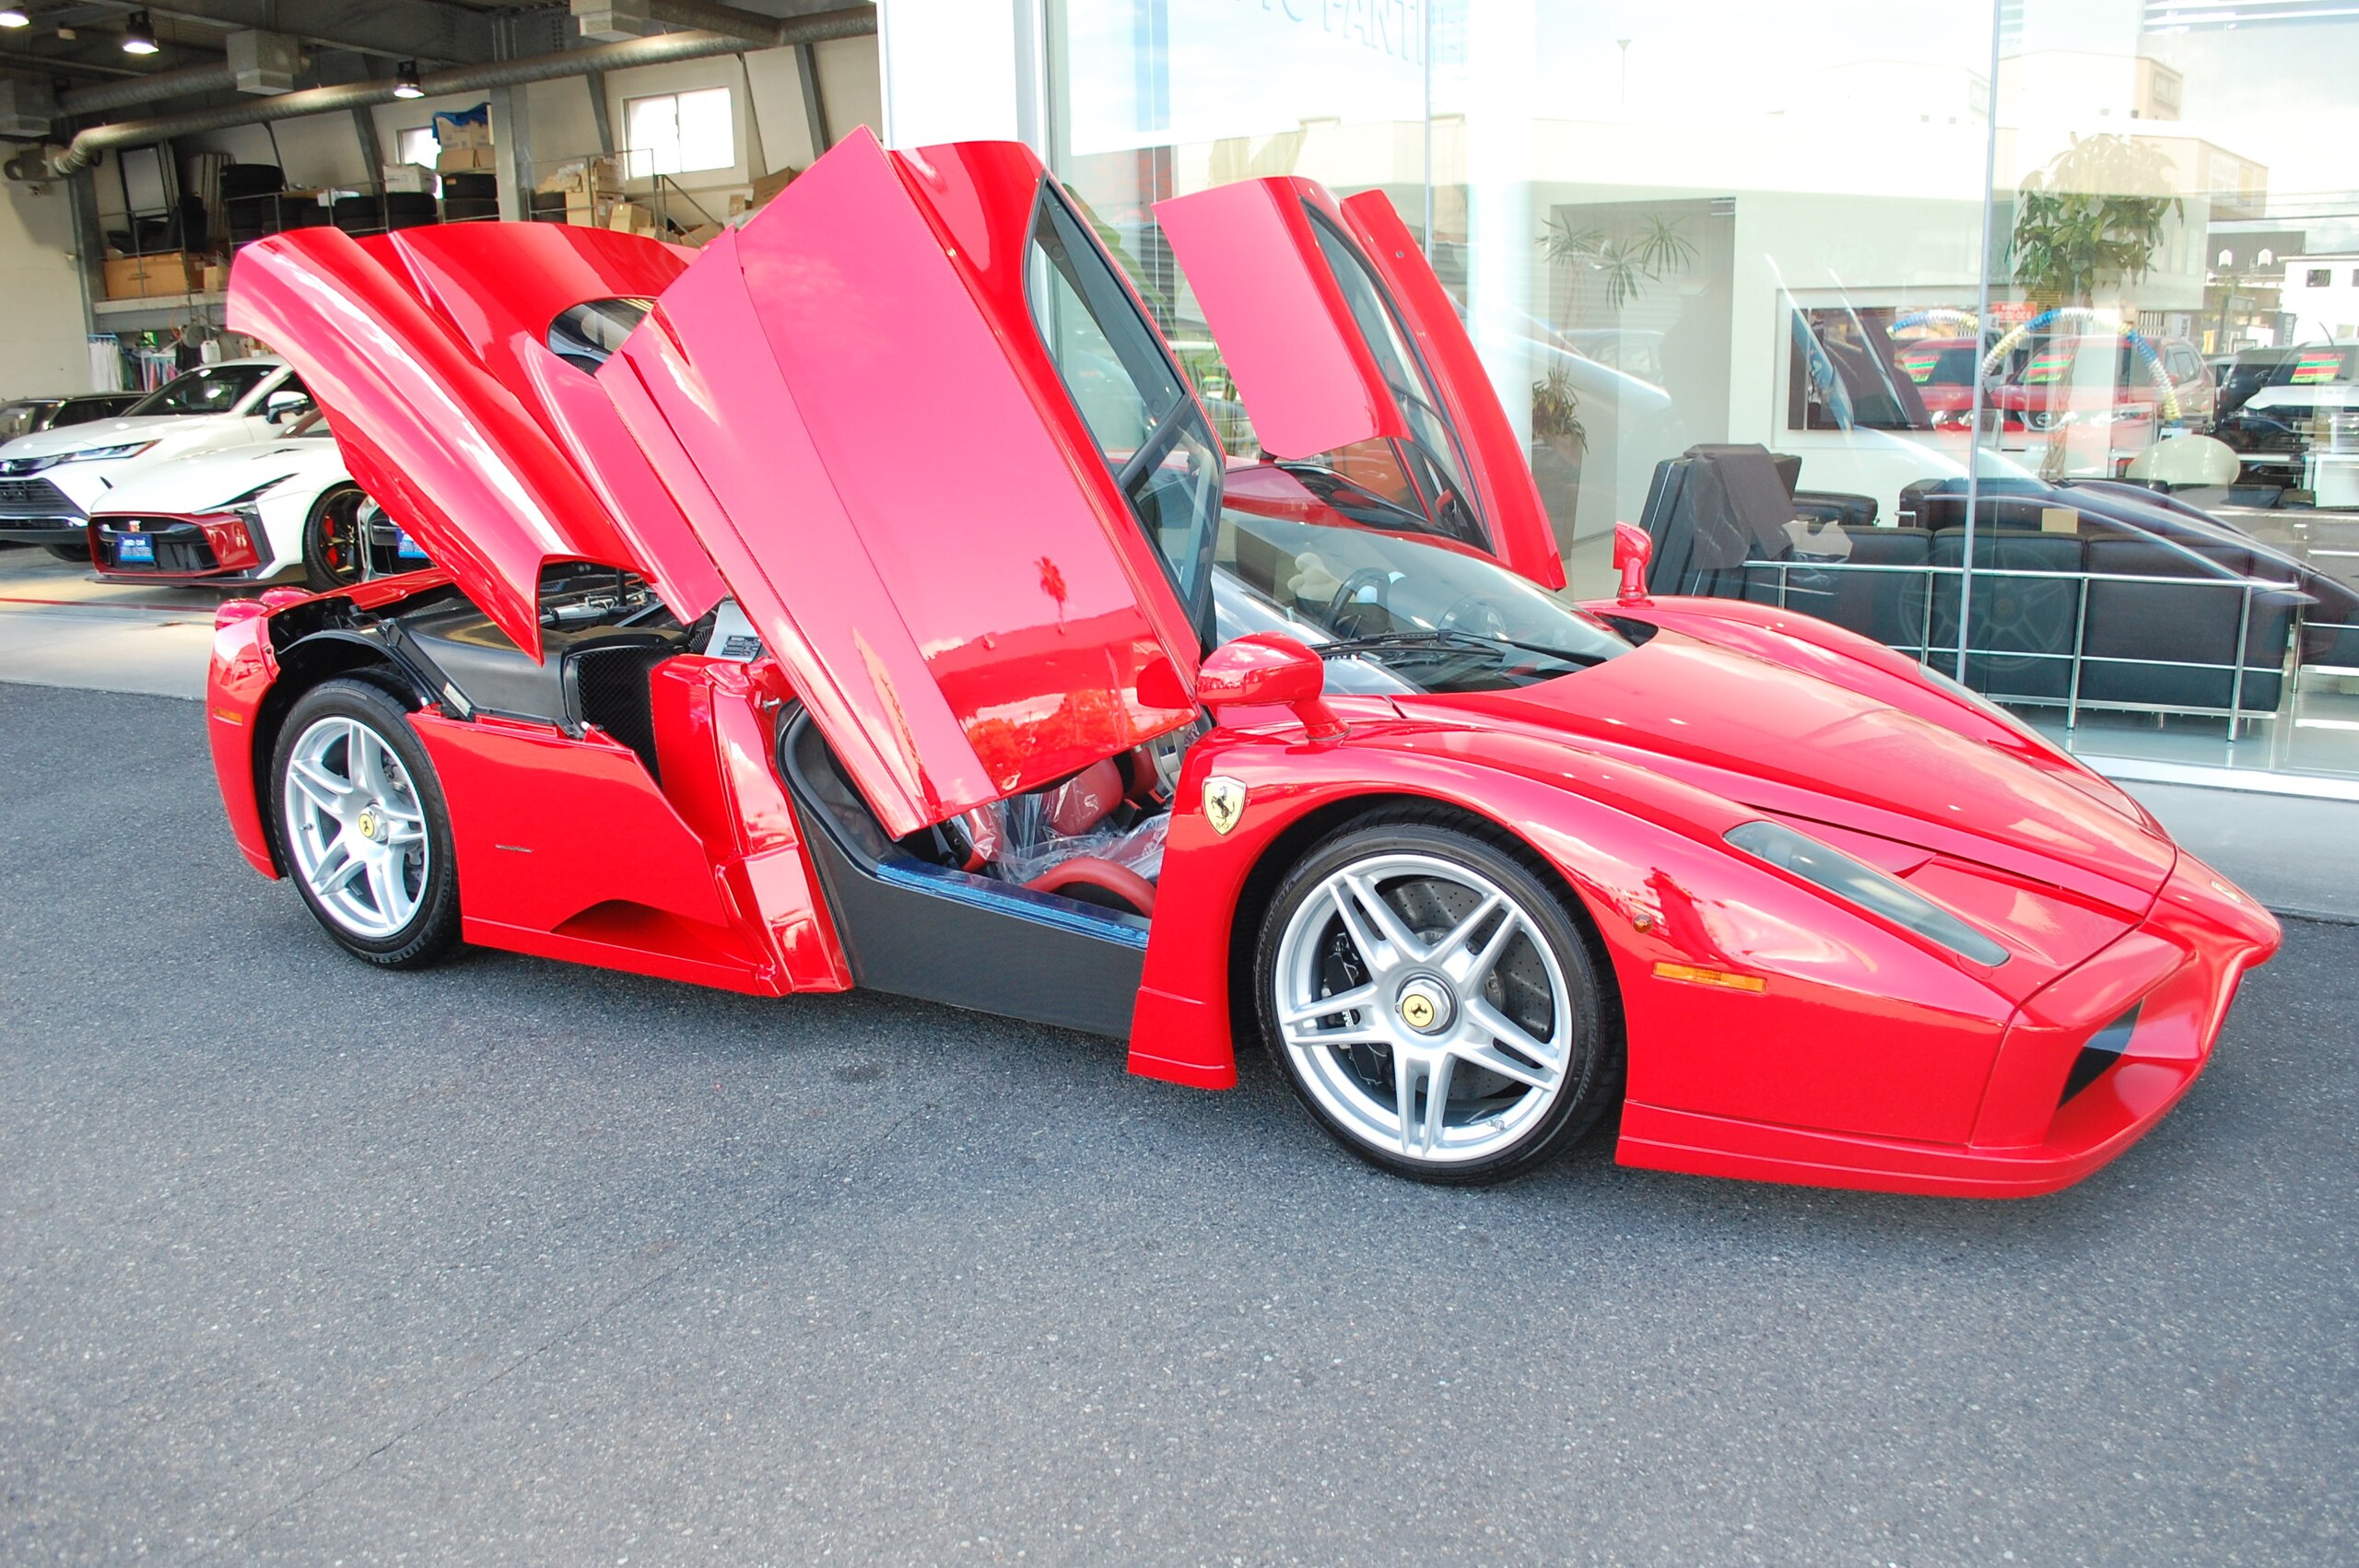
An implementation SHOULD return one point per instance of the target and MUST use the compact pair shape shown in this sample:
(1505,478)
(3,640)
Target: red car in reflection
(863,600)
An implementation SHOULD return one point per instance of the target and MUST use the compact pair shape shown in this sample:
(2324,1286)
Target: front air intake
(2105,1048)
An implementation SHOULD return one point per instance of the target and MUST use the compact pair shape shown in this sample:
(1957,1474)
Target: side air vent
(2105,1048)
(609,682)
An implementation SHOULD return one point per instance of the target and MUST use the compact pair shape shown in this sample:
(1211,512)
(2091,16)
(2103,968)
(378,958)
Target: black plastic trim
(2103,1050)
(920,930)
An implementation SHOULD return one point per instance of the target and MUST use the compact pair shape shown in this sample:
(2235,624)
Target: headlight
(1865,885)
(93,454)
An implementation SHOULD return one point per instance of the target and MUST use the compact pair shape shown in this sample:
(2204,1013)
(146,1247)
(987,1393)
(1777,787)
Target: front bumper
(203,548)
(53,532)
(2087,1066)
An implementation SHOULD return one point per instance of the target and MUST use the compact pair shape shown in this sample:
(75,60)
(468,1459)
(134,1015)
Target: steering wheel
(1476,616)
(1346,601)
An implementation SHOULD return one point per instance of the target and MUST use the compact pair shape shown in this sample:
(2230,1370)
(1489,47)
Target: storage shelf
(159,304)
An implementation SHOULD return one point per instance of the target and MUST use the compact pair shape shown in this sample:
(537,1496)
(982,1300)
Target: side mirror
(1632,551)
(1266,668)
(281,406)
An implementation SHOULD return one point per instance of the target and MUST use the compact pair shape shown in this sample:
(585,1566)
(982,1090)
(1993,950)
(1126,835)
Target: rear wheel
(362,827)
(1432,1002)
(333,548)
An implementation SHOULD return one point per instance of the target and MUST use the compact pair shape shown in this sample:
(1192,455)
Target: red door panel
(1304,367)
(854,411)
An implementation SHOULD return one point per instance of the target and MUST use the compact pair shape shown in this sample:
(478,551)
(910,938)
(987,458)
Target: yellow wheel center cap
(1424,1006)
(368,824)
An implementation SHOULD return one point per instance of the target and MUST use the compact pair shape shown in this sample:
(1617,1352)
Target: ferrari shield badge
(1224,803)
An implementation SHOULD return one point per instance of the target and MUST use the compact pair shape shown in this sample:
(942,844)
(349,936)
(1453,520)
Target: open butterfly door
(1348,354)
(852,401)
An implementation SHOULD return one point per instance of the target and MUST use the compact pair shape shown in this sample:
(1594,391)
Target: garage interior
(137,170)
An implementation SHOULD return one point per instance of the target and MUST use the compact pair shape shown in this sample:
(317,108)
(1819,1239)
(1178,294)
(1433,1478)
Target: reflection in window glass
(1711,222)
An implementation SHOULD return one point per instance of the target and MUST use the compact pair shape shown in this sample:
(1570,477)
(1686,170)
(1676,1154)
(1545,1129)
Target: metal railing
(2080,658)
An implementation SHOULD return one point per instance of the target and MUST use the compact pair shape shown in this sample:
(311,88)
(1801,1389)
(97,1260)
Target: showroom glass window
(679,132)
(1712,221)
(1138,407)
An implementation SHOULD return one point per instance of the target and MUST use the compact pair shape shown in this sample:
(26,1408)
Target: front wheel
(362,827)
(334,551)
(1432,1004)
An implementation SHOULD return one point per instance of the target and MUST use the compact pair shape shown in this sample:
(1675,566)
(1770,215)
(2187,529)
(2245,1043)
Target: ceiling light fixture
(10,17)
(405,81)
(139,37)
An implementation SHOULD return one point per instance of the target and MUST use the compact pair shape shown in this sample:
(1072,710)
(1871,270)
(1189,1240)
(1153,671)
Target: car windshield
(1396,613)
(217,389)
(16,418)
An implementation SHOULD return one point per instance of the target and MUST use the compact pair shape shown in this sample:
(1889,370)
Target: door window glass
(1429,457)
(1139,409)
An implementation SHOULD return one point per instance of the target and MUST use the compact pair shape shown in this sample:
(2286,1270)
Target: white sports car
(281,508)
(51,481)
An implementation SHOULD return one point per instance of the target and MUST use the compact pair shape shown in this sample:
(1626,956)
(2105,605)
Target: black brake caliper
(1341,970)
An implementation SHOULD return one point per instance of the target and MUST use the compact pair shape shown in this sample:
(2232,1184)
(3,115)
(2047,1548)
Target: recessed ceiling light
(139,37)
(405,83)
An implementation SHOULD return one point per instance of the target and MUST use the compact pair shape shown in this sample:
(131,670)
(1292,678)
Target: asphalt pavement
(516,1262)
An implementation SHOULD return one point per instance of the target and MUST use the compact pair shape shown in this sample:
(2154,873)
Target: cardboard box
(598,176)
(587,210)
(163,276)
(413,177)
(464,160)
(769,185)
(703,234)
(629,217)
(217,277)
(464,128)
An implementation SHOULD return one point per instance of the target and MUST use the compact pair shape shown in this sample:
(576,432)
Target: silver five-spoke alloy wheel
(356,827)
(1423,1008)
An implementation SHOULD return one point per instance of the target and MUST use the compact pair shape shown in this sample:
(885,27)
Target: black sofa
(1727,522)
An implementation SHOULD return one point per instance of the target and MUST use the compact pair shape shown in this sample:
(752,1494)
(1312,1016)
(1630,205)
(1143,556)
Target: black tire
(76,555)
(335,555)
(432,931)
(1590,1078)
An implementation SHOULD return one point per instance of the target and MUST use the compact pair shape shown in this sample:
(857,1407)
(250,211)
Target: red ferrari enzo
(865,600)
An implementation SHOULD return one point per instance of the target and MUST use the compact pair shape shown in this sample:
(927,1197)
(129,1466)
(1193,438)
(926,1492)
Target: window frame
(631,151)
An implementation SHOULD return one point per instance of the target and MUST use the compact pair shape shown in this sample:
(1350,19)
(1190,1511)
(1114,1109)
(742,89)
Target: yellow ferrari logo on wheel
(1224,803)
